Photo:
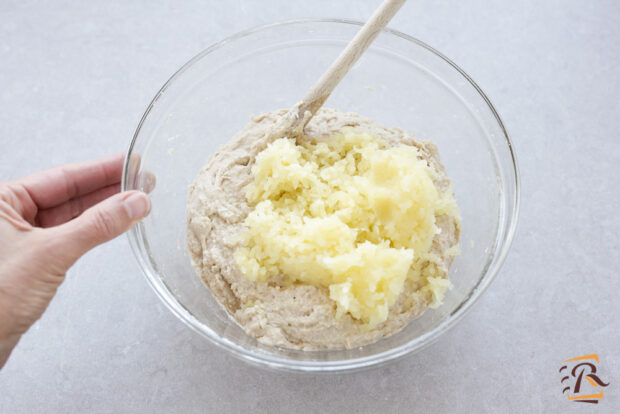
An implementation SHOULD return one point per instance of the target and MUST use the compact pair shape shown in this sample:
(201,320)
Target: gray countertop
(75,79)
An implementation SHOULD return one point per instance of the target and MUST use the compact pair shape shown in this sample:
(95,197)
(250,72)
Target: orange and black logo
(580,380)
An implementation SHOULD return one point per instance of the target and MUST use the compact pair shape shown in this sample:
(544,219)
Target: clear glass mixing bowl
(399,81)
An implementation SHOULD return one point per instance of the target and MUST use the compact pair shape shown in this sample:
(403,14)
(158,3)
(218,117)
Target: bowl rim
(285,364)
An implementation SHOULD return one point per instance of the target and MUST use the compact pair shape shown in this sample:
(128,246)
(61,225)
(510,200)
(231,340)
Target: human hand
(47,221)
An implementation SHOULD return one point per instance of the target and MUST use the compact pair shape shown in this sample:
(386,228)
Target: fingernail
(137,205)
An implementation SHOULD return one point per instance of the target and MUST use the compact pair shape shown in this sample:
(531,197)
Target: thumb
(99,224)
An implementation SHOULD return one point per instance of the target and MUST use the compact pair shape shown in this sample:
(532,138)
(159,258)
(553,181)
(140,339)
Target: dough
(296,316)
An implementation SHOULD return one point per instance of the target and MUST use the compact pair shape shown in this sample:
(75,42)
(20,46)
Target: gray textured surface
(76,77)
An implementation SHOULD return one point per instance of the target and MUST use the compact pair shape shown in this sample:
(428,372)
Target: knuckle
(7,193)
(104,224)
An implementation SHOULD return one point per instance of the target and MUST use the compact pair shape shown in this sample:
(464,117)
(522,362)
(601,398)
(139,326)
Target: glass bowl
(401,82)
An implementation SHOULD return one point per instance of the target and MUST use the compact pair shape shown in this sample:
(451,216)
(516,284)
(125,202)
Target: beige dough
(297,316)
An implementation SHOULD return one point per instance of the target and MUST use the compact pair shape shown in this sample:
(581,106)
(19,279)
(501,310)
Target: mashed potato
(350,213)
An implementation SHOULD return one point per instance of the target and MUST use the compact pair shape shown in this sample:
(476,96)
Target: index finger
(59,184)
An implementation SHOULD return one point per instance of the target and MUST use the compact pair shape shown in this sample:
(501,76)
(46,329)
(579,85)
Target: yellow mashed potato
(351,214)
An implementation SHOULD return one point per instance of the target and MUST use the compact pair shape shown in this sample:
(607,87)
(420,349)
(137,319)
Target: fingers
(142,180)
(148,181)
(74,207)
(99,224)
(53,187)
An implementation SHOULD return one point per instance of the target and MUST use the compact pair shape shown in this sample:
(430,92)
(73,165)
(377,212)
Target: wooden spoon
(293,123)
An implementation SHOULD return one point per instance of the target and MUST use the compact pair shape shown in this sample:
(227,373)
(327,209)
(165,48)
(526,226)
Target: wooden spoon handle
(321,90)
